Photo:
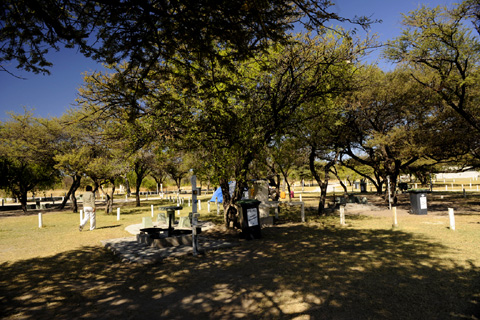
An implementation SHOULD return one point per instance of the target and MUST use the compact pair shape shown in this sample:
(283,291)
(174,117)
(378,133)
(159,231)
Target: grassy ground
(316,270)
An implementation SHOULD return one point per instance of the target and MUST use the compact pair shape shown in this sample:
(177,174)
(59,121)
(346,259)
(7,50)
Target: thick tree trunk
(137,191)
(229,210)
(23,200)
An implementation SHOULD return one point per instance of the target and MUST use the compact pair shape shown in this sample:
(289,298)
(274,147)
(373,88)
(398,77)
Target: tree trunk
(109,204)
(23,200)
(323,184)
(229,210)
(323,196)
(335,173)
(178,182)
(75,185)
(137,191)
(127,186)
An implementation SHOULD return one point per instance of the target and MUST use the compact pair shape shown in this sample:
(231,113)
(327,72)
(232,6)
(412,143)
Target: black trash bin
(418,201)
(249,219)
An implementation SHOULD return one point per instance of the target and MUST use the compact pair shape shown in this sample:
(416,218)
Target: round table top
(171,208)
(153,230)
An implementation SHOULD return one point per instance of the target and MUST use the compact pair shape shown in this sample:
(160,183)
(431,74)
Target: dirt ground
(295,271)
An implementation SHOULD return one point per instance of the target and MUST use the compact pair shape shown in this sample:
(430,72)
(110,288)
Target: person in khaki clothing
(88,208)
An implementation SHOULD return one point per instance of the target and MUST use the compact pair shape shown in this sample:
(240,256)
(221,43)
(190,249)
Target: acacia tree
(266,98)
(141,164)
(26,155)
(176,167)
(385,123)
(285,155)
(144,32)
(436,43)
(73,154)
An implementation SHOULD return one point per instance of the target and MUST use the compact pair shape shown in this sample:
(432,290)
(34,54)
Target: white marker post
(342,215)
(118,214)
(208,206)
(451,215)
(395,222)
(40,220)
(152,210)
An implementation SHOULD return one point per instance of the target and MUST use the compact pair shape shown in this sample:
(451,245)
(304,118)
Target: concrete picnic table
(171,213)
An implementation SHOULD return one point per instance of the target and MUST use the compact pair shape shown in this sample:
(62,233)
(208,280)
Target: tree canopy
(144,32)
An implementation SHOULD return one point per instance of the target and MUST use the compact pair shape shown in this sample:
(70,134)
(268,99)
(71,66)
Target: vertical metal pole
(194,215)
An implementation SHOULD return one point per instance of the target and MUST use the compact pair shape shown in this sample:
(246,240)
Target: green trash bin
(418,201)
(249,219)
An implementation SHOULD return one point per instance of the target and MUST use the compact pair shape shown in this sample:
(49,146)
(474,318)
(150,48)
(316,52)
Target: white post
(446,188)
(415,186)
(388,190)
(189,202)
(208,206)
(218,208)
(395,223)
(342,215)
(152,210)
(452,186)
(199,205)
(40,221)
(300,197)
(118,214)
(303,213)
(452,218)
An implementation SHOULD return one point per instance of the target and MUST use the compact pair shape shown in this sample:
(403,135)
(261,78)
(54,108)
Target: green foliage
(147,31)
(441,47)
(27,147)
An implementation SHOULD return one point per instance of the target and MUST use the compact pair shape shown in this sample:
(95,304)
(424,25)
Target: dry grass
(317,270)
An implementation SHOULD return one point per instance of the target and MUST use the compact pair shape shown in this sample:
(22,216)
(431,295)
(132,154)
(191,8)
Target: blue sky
(51,95)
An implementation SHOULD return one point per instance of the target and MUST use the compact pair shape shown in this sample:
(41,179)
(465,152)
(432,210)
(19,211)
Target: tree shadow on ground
(321,272)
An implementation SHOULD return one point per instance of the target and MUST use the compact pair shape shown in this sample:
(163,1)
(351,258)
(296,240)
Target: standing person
(88,209)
